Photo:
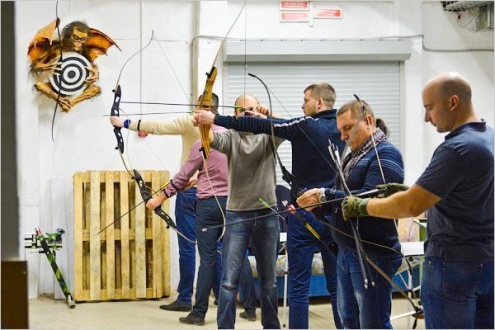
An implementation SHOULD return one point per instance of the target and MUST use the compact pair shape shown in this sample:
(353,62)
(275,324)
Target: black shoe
(192,319)
(249,317)
(177,307)
(215,302)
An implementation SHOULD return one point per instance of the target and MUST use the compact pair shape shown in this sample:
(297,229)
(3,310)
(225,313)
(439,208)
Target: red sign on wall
(294,17)
(328,13)
(294,5)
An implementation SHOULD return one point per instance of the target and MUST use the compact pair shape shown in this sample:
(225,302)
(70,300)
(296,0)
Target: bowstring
(61,61)
(205,162)
(396,225)
(188,97)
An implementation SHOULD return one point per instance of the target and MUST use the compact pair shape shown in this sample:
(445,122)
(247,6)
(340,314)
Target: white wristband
(323,197)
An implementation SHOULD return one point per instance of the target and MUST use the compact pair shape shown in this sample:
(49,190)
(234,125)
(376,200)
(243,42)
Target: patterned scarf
(354,157)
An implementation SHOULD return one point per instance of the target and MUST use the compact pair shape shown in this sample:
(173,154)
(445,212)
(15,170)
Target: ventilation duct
(463,5)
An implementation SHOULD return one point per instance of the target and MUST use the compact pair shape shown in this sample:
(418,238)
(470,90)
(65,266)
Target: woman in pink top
(210,208)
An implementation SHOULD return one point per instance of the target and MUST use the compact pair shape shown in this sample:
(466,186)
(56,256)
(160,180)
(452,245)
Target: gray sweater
(251,169)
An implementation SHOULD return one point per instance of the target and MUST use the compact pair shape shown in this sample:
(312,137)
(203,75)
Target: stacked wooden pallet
(131,258)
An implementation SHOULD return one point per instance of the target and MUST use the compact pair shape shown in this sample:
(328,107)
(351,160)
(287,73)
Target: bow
(143,189)
(362,255)
(205,103)
(146,195)
(205,98)
(286,175)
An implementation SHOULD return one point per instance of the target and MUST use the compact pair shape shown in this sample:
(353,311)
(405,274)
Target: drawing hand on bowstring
(192,182)
(203,117)
(310,197)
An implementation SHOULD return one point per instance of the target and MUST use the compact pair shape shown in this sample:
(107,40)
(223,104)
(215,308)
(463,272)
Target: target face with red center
(72,75)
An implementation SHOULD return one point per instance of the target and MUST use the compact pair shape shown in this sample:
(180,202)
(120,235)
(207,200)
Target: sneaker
(247,316)
(192,319)
(177,307)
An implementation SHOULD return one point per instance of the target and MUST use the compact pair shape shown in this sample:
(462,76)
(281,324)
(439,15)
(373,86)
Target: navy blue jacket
(311,164)
(366,176)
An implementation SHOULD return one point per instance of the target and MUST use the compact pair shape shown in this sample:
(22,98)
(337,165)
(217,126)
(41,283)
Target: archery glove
(353,207)
(390,189)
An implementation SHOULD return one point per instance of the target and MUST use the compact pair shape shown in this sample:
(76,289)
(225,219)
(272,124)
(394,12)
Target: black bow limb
(146,195)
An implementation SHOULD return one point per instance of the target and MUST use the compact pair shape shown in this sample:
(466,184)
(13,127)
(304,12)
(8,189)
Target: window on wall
(377,83)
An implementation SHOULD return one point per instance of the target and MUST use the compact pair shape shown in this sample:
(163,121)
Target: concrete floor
(46,313)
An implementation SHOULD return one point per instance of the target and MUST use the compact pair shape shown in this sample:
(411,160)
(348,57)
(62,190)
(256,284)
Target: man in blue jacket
(457,190)
(372,161)
(309,137)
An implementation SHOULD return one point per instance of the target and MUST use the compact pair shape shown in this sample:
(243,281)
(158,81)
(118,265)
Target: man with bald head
(251,165)
(457,190)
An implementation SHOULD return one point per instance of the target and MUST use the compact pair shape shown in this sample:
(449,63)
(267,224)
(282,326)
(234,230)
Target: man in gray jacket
(252,176)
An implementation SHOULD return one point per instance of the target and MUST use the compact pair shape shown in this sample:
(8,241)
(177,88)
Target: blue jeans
(265,233)
(246,288)
(246,282)
(218,271)
(457,295)
(208,214)
(301,247)
(185,212)
(359,307)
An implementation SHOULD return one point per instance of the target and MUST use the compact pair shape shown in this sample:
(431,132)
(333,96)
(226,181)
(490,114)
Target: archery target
(73,74)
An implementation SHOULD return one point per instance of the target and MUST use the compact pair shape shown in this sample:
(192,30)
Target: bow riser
(205,102)
(115,111)
(143,189)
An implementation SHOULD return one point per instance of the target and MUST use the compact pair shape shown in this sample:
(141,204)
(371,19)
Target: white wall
(442,32)
(84,139)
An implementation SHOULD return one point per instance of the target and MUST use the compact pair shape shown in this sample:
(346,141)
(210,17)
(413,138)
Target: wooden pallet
(131,258)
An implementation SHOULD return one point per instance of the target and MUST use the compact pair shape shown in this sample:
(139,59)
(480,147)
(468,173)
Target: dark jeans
(359,307)
(457,295)
(185,212)
(207,214)
(246,283)
(301,247)
(218,271)
(265,233)
(246,288)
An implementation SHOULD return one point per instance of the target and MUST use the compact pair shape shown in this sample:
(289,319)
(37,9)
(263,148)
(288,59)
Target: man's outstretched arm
(177,126)
(405,204)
